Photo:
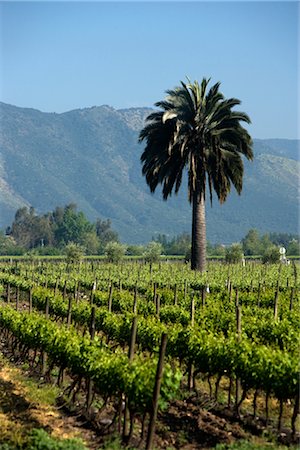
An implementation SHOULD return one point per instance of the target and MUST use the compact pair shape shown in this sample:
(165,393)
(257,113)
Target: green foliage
(251,243)
(8,246)
(114,252)
(40,440)
(74,165)
(74,252)
(105,234)
(71,226)
(271,255)
(293,248)
(152,252)
(43,234)
(178,245)
(192,113)
(135,250)
(234,253)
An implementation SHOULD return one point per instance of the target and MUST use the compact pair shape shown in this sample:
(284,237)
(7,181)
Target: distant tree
(293,248)
(218,250)
(282,239)
(152,252)
(70,225)
(114,252)
(89,240)
(234,253)
(271,255)
(8,245)
(30,230)
(265,243)
(135,250)
(251,243)
(196,129)
(105,233)
(180,244)
(74,252)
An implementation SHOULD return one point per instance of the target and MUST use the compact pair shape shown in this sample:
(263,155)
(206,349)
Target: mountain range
(91,157)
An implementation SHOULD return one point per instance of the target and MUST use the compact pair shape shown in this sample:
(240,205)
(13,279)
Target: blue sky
(58,56)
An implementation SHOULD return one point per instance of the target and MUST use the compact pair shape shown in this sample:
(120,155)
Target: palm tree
(197,130)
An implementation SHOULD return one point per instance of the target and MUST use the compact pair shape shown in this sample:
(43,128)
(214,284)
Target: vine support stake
(8,293)
(90,384)
(175,294)
(239,333)
(44,355)
(157,304)
(135,299)
(276,302)
(130,357)
(17,298)
(110,297)
(69,315)
(30,300)
(156,392)
(203,296)
(292,298)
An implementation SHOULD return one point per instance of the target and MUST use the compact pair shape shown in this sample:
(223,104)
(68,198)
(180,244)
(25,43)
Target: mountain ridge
(91,156)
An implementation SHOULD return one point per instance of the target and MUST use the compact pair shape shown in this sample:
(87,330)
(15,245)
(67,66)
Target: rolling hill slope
(91,157)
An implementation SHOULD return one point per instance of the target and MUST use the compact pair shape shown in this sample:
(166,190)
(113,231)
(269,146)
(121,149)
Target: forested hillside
(91,157)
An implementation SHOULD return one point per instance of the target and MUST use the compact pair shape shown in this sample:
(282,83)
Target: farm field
(221,349)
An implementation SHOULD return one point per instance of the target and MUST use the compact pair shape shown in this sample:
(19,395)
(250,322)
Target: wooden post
(130,357)
(192,310)
(132,339)
(135,300)
(203,294)
(258,295)
(93,323)
(156,392)
(157,304)
(154,292)
(56,286)
(65,290)
(17,298)
(276,302)
(236,298)
(69,315)
(239,333)
(77,292)
(47,308)
(230,291)
(292,298)
(30,301)
(185,289)
(110,297)
(8,293)
(175,294)
(44,355)
(239,321)
(90,384)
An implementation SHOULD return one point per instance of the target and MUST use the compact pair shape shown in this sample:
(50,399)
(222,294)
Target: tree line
(50,233)
(253,244)
(57,231)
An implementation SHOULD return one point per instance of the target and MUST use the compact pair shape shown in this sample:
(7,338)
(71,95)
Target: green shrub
(234,253)
(40,440)
(271,255)
(114,252)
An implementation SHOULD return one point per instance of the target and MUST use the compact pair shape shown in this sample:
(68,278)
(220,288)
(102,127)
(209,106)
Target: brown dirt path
(20,412)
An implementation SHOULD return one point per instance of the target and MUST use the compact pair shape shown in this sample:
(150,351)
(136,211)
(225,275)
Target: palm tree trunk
(198,259)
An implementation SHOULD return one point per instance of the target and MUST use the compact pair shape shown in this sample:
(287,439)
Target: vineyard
(155,353)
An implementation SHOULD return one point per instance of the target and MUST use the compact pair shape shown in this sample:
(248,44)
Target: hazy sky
(58,56)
